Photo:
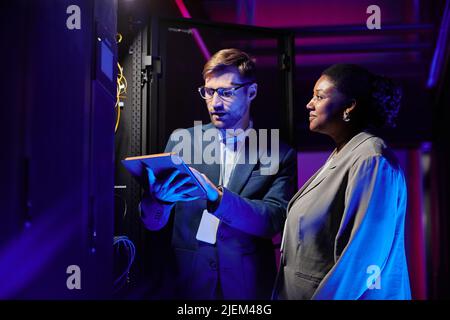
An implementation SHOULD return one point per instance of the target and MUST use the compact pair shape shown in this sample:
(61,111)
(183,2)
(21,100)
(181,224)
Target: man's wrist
(212,205)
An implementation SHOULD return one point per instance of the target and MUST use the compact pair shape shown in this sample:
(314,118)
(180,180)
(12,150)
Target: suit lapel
(315,182)
(299,192)
(243,168)
(212,171)
(312,183)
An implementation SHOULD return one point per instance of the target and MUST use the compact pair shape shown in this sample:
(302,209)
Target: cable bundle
(122,86)
(129,247)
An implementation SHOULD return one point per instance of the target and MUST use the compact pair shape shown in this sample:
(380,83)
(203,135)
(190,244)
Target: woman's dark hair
(377,97)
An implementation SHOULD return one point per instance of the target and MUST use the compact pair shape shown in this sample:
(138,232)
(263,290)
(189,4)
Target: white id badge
(207,229)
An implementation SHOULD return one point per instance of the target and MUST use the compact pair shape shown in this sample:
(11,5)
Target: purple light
(439,53)
(198,39)
(25,258)
(426,147)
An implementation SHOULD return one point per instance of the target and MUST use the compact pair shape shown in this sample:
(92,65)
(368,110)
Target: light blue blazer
(344,233)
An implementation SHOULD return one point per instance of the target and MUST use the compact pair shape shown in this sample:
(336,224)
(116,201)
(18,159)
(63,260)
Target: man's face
(229,112)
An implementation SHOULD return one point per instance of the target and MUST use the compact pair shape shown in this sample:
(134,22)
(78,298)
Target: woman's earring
(346,116)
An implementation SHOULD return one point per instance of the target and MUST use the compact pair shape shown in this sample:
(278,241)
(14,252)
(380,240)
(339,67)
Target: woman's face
(326,107)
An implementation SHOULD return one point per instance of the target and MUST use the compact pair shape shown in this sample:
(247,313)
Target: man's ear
(252,91)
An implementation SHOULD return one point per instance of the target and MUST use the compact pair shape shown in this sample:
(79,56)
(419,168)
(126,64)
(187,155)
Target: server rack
(58,157)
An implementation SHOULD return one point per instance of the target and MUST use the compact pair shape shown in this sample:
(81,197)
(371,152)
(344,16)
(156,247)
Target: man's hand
(174,188)
(212,192)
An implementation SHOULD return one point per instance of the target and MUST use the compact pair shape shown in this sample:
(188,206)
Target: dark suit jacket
(253,208)
(346,227)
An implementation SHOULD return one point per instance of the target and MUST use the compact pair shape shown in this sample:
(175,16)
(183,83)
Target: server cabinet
(58,160)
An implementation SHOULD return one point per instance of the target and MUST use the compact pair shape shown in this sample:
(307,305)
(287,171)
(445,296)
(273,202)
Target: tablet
(162,165)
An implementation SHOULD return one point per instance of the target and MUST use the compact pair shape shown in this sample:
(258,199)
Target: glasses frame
(221,90)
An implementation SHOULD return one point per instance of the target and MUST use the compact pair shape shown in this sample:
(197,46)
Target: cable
(124,204)
(119,38)
(129,245)
(118,119)
(121,90)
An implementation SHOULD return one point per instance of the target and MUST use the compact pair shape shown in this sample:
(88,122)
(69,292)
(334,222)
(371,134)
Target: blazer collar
(353,144)
(336,161)
(207,126)
(312,182)
(241,172)
(243,169)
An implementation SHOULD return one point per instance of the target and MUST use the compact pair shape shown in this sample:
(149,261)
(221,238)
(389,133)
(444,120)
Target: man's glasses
(207,93)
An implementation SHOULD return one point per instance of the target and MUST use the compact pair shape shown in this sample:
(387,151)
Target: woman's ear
(252,91)
(350,106)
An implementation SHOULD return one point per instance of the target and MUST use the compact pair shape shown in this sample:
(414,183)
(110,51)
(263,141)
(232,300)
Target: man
(223,242)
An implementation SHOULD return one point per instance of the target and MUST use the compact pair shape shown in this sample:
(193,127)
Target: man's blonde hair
(227,58)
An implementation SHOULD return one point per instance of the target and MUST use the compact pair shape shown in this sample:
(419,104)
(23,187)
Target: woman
(344,233)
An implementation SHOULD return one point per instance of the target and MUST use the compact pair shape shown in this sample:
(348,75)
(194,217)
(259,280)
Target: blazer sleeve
(375,200)
(265,217)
